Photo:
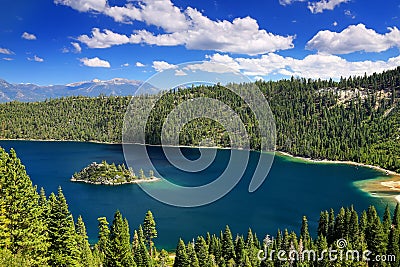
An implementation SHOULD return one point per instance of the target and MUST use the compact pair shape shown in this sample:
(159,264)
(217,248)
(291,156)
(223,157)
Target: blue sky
(63,41)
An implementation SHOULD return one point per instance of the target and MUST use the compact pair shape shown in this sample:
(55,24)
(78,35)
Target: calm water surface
(291,190)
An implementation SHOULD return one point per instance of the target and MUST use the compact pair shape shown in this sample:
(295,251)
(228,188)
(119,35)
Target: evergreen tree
(396,216)
(240,252)
(363,222)
(85,254)
(103,237)
(181,258)
(340,225)
(354,233)
(228,250)
(304,234)
(119,251)
(63,246)
(22,229)
(191,253)
(140,252)
(323,224)
(394,245)
(164,257)
(149,230)
(375,235)
(387,220)
(331,229)
(202,252)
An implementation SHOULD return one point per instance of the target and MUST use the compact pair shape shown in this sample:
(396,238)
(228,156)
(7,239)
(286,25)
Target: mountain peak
(94,88)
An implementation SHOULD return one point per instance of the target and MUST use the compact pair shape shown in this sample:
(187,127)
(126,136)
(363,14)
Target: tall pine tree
(63,250)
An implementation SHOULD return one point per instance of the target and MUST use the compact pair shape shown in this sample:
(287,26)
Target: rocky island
(110,174)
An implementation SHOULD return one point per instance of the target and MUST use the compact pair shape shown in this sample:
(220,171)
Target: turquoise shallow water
(291,190)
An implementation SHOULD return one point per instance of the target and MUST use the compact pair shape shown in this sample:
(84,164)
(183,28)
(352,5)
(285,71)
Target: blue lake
(291,190)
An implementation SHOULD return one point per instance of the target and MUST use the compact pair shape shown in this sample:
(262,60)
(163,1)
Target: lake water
(291,190)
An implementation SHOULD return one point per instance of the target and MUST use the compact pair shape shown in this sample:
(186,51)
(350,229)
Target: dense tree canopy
(357,118)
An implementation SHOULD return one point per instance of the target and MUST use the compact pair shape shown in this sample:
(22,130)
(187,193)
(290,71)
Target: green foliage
(63,250)
(119,252)
(181,258)
(84,251)
(104,173)
(21,229)
(356,119)
(149,230)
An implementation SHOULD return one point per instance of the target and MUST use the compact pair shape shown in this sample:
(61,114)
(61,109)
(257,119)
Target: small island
(110,174)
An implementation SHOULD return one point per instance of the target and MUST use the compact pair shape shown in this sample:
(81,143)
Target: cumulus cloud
(103,39)
(312,66)
(188,27)
(125,65)
(36,58)
(6,51)
(154,12)
(162,65)
(139,64)
(95,62)
(28,36)
(84,5)
(320,6)
(354,38)
(8,58)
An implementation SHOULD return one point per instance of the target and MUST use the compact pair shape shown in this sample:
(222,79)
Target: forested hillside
(36,230)
(357,118)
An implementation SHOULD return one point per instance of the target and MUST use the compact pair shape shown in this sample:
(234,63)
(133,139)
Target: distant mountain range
(31,92)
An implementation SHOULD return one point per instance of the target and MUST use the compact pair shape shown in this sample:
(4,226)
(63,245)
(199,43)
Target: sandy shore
(386,186)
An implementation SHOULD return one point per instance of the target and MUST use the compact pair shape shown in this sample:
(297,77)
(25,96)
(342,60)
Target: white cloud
(334,23)
(349,14)
(180,73)
(6,51)
(320,6)
(36,58)
(354,38)
(224,60)
(8,58)
(77,47)
(84,5)
(125,65)
(103,39)
(312,66)
(162,65)
(289,2)
(187,27)
(95,62)
(316,7)
(139,64)
(153,12)
(28,36)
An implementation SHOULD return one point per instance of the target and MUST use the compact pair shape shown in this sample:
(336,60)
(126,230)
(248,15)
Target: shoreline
(385,186)
(347,162)
(135,181)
